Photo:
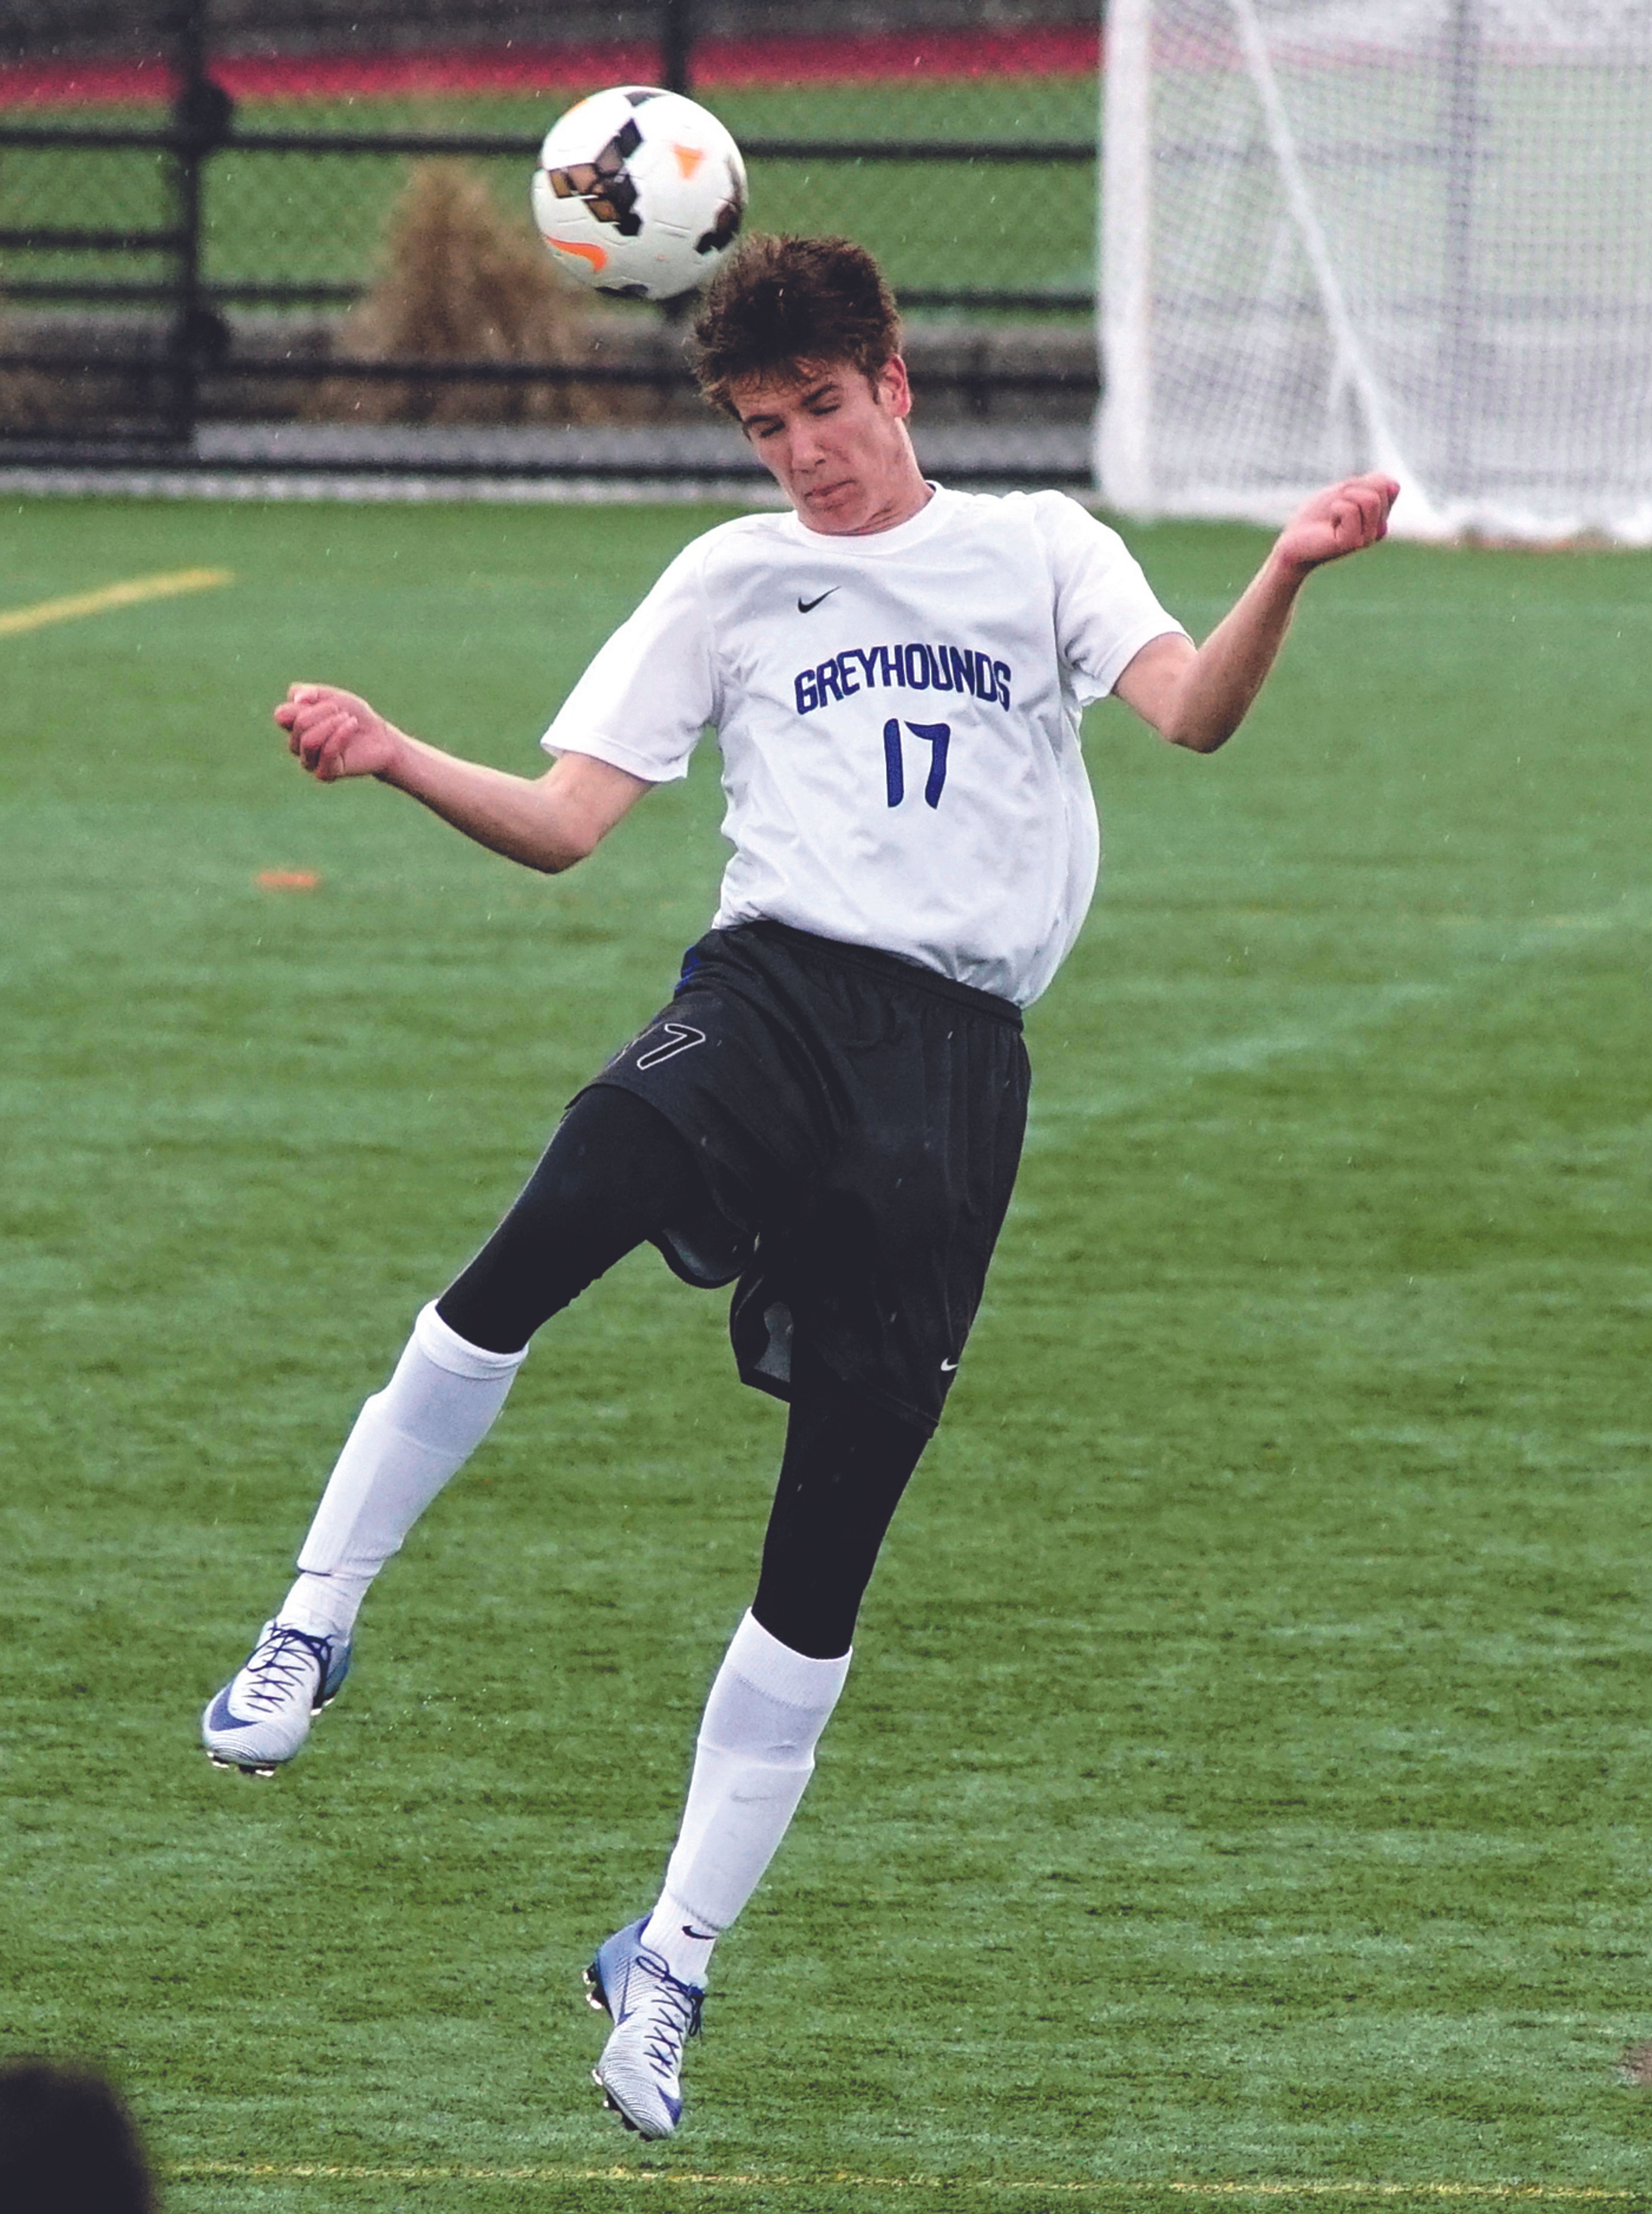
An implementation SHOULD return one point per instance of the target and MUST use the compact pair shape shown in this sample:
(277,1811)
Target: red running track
(719,64)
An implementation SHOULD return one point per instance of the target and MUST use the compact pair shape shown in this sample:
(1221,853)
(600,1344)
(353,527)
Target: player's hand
(1345,518)
(335,734)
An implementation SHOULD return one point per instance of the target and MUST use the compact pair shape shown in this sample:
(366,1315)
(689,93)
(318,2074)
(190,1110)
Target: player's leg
(847,1463)
(614,1174)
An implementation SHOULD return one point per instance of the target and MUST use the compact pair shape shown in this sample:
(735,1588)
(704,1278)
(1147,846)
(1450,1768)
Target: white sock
(755,1753)
(407,1441)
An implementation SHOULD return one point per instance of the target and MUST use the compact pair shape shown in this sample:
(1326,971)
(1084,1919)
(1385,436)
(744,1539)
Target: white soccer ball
(638,192)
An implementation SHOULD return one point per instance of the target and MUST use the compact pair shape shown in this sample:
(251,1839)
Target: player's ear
(891,385)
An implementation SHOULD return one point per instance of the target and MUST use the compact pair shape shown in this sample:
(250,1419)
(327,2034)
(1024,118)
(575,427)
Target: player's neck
(912,498)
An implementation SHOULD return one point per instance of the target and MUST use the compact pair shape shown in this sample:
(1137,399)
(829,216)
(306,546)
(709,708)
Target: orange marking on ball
(287,880)
(594,254)
(689,158)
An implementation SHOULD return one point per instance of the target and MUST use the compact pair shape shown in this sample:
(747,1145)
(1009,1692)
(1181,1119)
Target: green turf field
(1245,1778)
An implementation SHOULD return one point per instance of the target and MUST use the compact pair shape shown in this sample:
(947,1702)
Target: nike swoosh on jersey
(949,1364)
(807,607)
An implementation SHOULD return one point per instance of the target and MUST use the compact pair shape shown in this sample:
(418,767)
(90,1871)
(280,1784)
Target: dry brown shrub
(461,281)
(28,400)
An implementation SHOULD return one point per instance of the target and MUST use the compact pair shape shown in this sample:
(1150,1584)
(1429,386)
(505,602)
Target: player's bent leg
(614,1173)
(845,1467)
(407,1441)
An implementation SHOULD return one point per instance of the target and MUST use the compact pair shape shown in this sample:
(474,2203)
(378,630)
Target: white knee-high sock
(408,1440)
(755,1753)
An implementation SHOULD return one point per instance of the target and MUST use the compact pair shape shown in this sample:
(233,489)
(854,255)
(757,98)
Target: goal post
(1337,236)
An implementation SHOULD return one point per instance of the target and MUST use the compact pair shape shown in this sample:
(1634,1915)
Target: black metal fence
(172,256)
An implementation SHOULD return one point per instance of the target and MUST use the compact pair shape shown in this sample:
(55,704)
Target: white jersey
(898,716)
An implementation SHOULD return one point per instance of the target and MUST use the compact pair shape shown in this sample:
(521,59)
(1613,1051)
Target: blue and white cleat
(262,1715)
(654,2016)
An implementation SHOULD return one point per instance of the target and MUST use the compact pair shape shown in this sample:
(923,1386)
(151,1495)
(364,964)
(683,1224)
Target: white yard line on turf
(130,594)
(1312,2188)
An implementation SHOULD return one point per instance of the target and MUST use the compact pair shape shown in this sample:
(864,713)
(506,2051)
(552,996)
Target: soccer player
(829,1113)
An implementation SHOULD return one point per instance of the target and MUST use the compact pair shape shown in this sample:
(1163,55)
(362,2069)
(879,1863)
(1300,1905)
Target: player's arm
(546,822)
(1198,696)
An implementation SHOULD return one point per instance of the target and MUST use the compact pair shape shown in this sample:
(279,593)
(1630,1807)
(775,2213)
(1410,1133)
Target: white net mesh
(1404,234)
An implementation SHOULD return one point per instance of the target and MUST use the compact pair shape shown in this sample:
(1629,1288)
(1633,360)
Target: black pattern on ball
(605,185)
(726,223)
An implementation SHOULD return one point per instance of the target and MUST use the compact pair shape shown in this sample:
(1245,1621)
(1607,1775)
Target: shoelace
(673,2016)
(281,1665)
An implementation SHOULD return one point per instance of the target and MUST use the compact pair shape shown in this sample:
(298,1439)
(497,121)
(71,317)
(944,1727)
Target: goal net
(1410,235)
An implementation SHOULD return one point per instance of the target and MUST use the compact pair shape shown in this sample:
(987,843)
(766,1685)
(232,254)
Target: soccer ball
(638,192)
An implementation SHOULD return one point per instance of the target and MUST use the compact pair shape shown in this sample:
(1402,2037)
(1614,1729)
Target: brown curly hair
(779,303)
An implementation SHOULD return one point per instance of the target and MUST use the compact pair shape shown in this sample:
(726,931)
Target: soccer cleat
(262,1715)
(654,2016)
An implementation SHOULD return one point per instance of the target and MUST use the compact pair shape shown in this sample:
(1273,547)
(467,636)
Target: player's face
(834,440)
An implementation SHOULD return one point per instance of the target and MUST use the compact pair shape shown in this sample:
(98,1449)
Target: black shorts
(858,1122)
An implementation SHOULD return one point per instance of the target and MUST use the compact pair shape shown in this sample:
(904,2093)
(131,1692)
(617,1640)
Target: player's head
(799,339)
(779,306)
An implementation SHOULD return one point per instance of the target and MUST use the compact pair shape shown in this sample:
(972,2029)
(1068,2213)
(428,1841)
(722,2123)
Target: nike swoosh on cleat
(807,607)
(218,1716)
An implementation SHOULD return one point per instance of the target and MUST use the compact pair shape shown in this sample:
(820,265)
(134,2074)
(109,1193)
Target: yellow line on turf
(1312,2188)
(127,595)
